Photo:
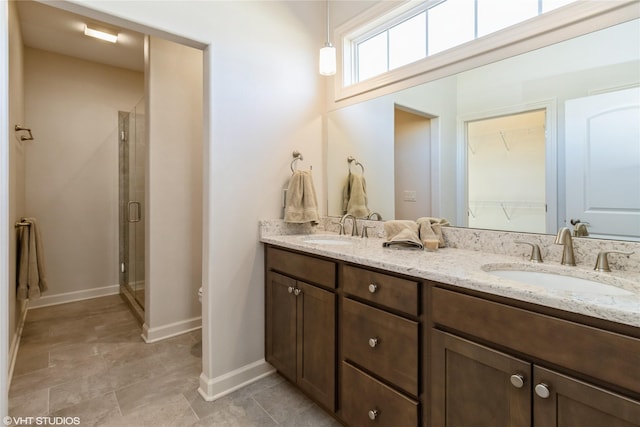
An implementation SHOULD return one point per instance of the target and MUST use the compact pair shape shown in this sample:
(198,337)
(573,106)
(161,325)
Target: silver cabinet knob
(517,380)
(542,390)
(290,289)
(373,342)
(373,414)
(373,288)
(297,291)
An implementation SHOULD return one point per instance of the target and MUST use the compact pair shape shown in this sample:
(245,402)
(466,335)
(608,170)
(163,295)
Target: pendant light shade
(328,53)
(328,60)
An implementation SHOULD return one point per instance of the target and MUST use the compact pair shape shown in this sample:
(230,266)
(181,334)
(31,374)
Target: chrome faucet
(354,230)
(564,238)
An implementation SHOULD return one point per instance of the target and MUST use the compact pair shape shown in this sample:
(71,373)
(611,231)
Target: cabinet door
(472,385)
(280,331)
(317,343)
(573,403)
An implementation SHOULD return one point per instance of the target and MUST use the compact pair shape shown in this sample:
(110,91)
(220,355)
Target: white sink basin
(559,282)
(330,240)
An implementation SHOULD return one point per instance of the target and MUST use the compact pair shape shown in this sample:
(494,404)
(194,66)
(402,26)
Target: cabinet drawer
(598,353)
(389,291)
(309,269)
(364,398)
(381,342)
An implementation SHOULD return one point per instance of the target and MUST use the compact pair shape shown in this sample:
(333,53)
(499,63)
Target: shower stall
(132,160)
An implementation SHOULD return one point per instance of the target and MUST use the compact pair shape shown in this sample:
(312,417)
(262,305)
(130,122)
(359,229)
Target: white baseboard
(215,388)
(150,335)
(15,342)
(74,296)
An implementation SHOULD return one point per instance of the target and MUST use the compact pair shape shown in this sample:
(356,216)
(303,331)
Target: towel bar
(29,137)
(22,224)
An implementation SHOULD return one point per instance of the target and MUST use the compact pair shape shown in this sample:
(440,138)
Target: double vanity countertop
(471,270)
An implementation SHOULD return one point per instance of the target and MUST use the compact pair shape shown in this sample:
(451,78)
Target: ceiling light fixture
(328,53)
(99,34)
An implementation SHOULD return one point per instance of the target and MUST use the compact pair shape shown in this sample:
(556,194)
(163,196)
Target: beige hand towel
(354,196)
(22,291)
(31,275)
(402,232)
(431,229)
(301,204)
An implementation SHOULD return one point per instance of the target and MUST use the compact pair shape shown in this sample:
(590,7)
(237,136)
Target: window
(434,27)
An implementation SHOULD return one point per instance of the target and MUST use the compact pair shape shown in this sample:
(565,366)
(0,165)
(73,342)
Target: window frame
(560,24)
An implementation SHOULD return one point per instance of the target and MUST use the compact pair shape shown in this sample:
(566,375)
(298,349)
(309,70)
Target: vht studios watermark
(41,421)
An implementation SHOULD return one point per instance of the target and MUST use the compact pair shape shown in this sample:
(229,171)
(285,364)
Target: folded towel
(431,229)
(354,196)
(403,233)
(301,204)
(31,275)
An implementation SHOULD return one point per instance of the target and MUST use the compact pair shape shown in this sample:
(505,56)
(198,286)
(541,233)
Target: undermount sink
(329,240)
(560,282)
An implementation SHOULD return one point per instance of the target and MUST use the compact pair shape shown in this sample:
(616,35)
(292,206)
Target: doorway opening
(506,172)
(412,163)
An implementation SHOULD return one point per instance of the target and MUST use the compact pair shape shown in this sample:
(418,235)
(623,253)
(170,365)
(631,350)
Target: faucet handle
(536,256)
(364,232)
(602,263)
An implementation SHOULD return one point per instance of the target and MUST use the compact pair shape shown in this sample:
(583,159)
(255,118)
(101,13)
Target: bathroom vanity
(395,337)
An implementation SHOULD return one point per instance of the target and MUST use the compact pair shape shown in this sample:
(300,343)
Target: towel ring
(296,156)
(351,159)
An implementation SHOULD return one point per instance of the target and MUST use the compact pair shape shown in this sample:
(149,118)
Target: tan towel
(403,233)
(31,275)
(431,229)
(354,196)
(301,204)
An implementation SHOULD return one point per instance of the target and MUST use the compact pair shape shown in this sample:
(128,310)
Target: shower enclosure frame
(131,188)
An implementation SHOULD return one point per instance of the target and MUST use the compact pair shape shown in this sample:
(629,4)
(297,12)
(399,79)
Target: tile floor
(86,359)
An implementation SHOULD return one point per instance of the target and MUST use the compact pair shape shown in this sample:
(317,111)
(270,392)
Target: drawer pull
(297,291)
(542,390)
(373,288)
(373,342)
(290,289)
(373,414)
(517,380)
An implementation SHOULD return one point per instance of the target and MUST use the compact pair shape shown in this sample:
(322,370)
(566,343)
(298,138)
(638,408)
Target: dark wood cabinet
(379,348)
(571,402)
(380,328)
(300,335)
(471,385)
(478,385)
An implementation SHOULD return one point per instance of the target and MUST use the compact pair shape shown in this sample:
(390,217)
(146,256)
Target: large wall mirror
(530,143)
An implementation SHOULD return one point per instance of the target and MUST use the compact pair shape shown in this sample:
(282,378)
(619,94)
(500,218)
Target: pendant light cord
(328,38)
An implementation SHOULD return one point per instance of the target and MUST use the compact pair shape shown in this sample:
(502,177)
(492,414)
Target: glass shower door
(132,156)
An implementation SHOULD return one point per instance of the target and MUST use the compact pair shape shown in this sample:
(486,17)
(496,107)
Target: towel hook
(296,156)
(18,128)
(351,159)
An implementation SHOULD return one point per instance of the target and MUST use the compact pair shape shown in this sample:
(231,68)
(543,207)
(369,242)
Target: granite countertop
(467,269)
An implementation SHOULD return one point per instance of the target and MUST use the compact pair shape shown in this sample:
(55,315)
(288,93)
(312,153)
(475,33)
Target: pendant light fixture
(328,53)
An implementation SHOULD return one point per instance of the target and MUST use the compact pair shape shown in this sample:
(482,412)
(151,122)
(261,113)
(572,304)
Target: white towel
(354,196)
(31,276)
(301,203)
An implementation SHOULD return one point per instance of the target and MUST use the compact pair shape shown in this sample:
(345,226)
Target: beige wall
(174,190)
(16,162)
(72,167)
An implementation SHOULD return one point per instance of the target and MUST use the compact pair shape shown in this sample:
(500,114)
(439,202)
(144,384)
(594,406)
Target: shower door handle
(138,216)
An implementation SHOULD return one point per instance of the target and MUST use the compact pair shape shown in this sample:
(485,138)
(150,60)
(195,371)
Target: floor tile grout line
(265,411)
